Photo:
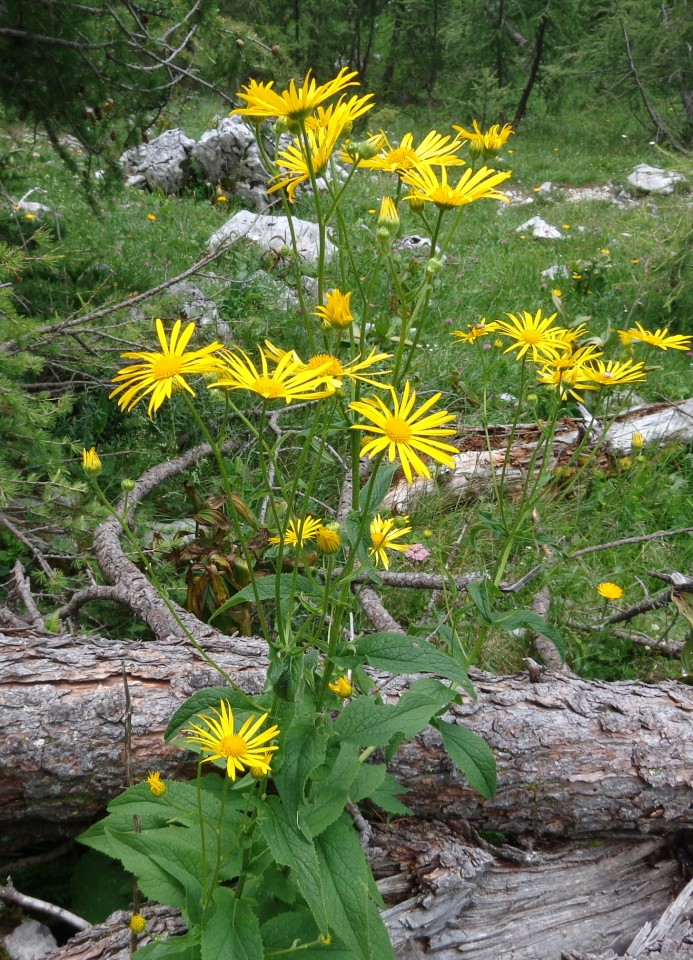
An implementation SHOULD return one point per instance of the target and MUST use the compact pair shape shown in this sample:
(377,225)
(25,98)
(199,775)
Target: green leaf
(292,849)
(478,591)
(232,931)
(371,724)
(380,484)
(283,929)
(304,751)
(346,875)
(471,755)
(398,653)
(330,793)
(370,778)
(185,947)
(282,587)
(527,619)
(385,796)
(202,701)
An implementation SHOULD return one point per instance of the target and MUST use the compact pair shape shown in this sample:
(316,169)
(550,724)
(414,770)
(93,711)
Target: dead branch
(9,893)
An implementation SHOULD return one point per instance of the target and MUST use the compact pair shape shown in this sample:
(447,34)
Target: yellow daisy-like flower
(532,333)
(433,149)
(488,143)
(138,923)
(388,218)
(567,379)
(337,309)
(659,338)
(157,787)
(626,338)
(295,103)
(426,185)
(637,441)
(247,748)
(341,115)
(329,538)
(403,431)
(91,462)
(609,590)
(614,372)
(160,375)
(299,532)
(342,687)
(288,381)
(334,372)
(574,358)
(384,535)
(474,331)
(262,769)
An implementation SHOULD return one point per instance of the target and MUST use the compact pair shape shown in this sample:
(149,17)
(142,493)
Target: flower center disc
(233,746)
(269,389)
(397,430)
(531,336)
(334,369)
(165,367)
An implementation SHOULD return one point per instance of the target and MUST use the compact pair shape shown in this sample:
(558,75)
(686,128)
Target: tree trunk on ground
(594,793)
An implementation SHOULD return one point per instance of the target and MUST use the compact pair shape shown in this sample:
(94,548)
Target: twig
(657,535)
(24,590)
(668,648)
(8,892)
(649,603)
(40,559)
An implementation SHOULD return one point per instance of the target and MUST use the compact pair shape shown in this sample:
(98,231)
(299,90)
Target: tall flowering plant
(262,856)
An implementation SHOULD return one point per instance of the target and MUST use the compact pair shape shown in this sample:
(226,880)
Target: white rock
(272,234)
(540,229)
(654,179)
(230,154)
(161,164)
(556,271)
(31,940)
(546,187)
(418,246)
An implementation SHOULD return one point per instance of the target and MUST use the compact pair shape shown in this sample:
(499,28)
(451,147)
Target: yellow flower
(659,338)
(637,441)
(626,337)
(91,462)
(162,374)
(488,143)
(574,358)
(288,381)
(384,535)
(221,199)
(474,331)
(341,115)
(402,431)
(605,251)
(342,687)
(299,532)
(614,372)
(533,333)
(151,216)
(138,923)
(247,748)
(609,590)
(337,309)
(295,103)
(557,293)
(32,216)
(157,787)
(433,149)
(388,218)
(263,768)
(334,371)
(329,538)
(470,187)
(566,379)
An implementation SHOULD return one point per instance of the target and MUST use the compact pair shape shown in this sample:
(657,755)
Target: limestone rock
(230,155)
(31,940)
(162,164)
(654,179)
(540,229)
(272,234)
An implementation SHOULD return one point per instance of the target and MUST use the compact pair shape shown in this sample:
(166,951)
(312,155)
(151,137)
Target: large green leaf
(471,755)
(346,876)
(386,796)
(231,931)
(186,947)
(373,724)
(329,795)
(282,587)
(304,751)
(370,777)
(398,653)
(292,849)
(528,620)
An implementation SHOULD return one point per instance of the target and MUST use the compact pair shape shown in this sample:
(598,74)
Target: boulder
(654,179)
(230,155)
(272,234)
(161,164)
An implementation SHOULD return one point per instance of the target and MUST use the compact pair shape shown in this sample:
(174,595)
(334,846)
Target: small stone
(540,229)
(31,940)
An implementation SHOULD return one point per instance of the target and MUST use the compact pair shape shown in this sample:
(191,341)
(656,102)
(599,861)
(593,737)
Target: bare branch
(52,41)
(9,893)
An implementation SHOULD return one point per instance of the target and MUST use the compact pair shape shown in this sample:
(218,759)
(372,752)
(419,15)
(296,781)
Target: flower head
(427,185)
(329,538)
(342,687)
(405,432)
(299,532)
(614,372)
(288,381)
(157,787)
(295,103)
(433,149)
(334,372)
(660,338)
(532,333)
(384,535)
(138,923)
(388,218)
(637,441)
(488,143)
(474,331)
(247,748)
(160,375)
(609,590)
(91,462)
(568,380)
(337,309)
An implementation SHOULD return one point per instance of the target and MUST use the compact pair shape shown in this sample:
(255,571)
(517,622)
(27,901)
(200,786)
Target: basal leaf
(398,653)
(232,931)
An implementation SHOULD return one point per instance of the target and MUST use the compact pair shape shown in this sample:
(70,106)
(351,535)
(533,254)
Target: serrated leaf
(370,778)
(231,931)
(304,751)
(403,654)
(471,755)
(371,724)
(281,930)
(380,484)
(386,796)
(185,947)
(282,587)
(527,619)
(157,883)
(330,793)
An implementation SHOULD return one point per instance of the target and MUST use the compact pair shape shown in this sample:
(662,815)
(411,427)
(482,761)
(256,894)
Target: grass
(139,239)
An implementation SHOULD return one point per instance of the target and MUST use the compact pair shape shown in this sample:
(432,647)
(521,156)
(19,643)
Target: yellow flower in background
(626,338)
(609,590)
(298,164)
(337,309)
(388,216)
(157,787)
(91,462)
(433,149)
(299,532)
(329,538)
(335,372)
(247,748)
(613,372)
(263,768)
(568,380)
(295,103)
(488,143)
(479,185)
(138,923)
(403,431)
(160,375)
(532,333)
(384,537)
(575,358)
(659,338)
(340,116)
(151,216)
(637,441)
(288,381)
(342,687)
(474,331)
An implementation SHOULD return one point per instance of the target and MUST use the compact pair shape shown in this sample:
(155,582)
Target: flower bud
(138,923)
(433,266)
(127,484)
(91,463)
(388,218)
